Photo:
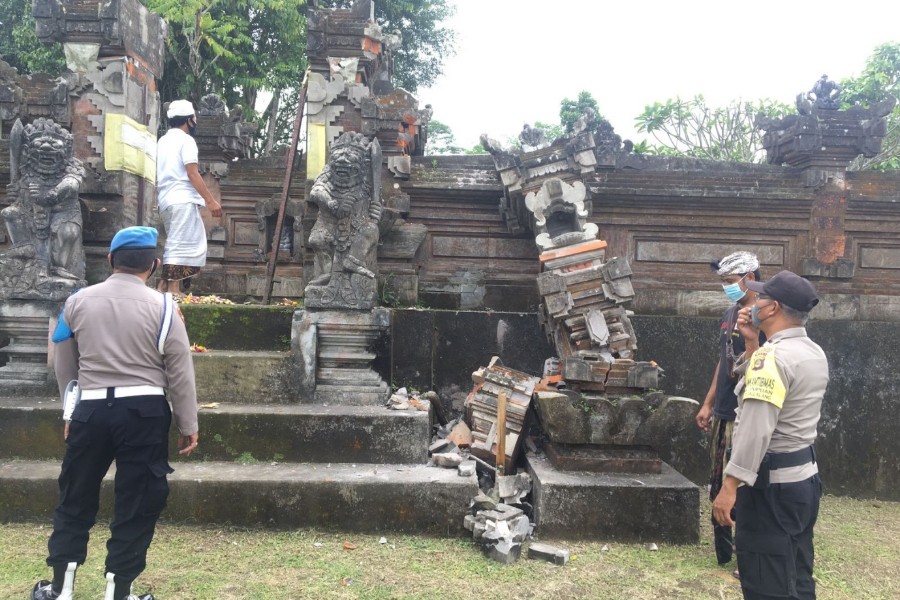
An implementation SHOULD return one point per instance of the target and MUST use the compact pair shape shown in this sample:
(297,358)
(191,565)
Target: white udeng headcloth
(738,263)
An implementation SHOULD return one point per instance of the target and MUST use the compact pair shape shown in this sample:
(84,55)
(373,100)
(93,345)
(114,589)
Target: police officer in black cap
(772,478)
(126,346)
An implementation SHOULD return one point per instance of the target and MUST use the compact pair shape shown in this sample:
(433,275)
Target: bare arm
(705,412)
(193,173)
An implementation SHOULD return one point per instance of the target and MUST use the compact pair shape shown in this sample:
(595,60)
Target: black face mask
(192,127)
(153,268)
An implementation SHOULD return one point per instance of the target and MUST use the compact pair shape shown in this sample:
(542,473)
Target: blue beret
(134,237)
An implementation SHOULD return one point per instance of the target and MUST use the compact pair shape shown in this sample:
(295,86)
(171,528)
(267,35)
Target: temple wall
(857,435)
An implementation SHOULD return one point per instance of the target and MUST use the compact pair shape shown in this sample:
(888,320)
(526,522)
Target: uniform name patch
(762,381)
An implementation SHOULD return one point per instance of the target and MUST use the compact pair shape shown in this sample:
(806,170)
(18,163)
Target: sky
(517,59)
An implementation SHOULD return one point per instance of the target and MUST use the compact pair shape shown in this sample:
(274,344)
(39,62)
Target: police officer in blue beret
(121,357)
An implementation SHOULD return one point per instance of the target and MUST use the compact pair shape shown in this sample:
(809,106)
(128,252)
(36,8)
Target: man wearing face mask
(718,410)
(772,479)
(181,192)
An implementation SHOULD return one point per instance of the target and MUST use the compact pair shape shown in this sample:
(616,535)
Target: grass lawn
(856,558)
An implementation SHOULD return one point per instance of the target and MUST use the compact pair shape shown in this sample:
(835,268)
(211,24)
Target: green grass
(856,559)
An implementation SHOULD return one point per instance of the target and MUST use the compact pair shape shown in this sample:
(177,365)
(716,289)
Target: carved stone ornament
(345,234)
(211,105)
(825,94)
(560,216)
(46,257)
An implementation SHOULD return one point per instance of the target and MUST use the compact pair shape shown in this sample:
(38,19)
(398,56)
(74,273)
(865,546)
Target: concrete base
(614,506)
(333,355)
(364,498)
(26,324)
(32,429)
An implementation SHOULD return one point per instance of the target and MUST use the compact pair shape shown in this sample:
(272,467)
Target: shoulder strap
(165,323)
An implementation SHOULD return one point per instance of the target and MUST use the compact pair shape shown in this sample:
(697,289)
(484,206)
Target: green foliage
(551,131)
(571,110)
(879,80)
(19,45)
(426,43)
(441,139)
(695,129)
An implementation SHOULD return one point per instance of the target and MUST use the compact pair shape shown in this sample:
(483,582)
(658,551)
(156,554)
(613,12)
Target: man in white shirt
(181,192)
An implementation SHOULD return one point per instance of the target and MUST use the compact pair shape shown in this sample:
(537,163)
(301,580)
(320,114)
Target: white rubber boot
(110,586)
(68,588)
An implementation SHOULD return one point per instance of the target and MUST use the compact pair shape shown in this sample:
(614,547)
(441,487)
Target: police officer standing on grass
(127,347)
(772,478)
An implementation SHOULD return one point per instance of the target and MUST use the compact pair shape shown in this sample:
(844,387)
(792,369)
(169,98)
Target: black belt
(783,460)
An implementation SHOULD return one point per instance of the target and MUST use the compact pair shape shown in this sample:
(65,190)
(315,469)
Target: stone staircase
(261,460)
(264,460)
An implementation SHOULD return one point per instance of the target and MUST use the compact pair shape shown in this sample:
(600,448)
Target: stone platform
(614,506)
(32,429)
(358,498)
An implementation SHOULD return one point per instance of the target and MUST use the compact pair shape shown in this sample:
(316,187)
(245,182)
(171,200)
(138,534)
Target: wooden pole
(285,189)
(501,433)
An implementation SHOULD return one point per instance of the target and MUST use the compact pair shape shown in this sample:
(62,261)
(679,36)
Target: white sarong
(185,235)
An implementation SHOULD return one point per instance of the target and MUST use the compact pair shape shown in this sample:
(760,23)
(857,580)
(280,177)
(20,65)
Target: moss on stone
(238,326)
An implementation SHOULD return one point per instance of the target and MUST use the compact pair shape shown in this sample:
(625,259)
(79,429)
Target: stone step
(251,376)
(31,428)
(614,506)
(361,498)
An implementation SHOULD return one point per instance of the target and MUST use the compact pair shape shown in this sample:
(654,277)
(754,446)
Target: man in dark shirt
(718,410)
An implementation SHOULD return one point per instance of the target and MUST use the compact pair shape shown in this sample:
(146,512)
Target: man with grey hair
(772,480)
(718,410)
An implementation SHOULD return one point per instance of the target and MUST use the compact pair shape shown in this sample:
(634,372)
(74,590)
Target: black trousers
(774,539)
(134,433)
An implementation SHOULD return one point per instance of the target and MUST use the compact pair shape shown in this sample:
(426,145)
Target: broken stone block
(469,523)
(503,551)
(478,531)
(461,435)
(546,552)
(448,460)
(519,528)
(440,446)
(483,502)
(467,468)
(512,488)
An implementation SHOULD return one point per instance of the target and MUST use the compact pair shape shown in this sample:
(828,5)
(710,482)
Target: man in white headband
(718,410)
(181,192)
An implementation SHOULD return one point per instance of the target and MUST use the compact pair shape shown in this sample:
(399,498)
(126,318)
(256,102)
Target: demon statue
(46,258)
(345,234)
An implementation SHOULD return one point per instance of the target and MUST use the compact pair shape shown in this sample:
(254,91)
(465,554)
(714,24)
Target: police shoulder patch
(762,380)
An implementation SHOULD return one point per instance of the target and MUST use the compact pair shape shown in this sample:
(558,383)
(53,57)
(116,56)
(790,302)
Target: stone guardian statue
(46,258)
(345,234)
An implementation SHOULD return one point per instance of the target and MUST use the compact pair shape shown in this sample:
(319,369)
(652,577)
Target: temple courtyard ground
(857,557)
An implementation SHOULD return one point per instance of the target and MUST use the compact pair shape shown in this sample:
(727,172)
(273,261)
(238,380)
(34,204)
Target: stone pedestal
(333,354)
(26,323)
(647,507)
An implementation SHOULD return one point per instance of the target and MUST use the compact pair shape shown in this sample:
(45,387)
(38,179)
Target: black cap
(788,288)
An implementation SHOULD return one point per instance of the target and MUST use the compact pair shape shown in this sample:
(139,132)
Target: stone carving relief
(345,234)
(825,94)
(560,215)
(46,258)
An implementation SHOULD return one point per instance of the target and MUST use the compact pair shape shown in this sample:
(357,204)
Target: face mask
(734,291)
(192,129)
(754,317)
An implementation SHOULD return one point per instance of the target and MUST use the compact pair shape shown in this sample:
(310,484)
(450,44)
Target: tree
(693,128)
(880,78)
(572,110)
(441,139)
(426,42)
(19,45)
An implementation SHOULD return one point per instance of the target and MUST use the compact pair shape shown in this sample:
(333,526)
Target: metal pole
(285,189)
